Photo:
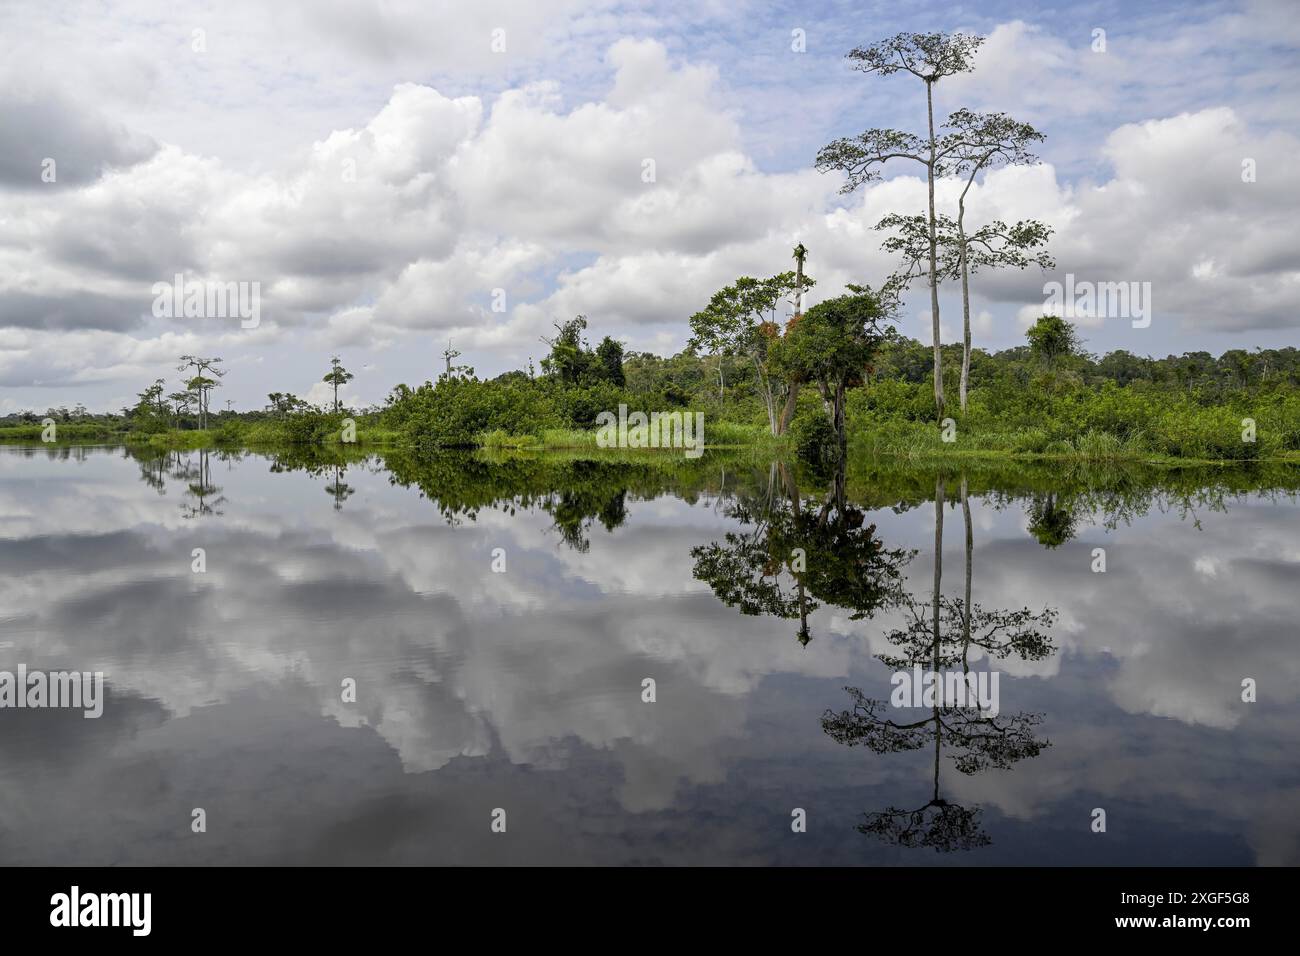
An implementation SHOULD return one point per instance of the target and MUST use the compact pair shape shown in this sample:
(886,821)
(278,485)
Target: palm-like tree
(337,376)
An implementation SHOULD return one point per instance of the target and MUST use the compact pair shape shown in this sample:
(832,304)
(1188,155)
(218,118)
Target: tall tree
(942,632)
(448,355)
(336,376)
(982,141)
(800,254)
(961,254)
(180,404)
(929,57)
(206,377)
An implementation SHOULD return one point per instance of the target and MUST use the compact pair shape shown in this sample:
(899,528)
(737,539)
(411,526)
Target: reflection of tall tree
(941,632)
(200,487)
(156,466)
(795,553)
(339,489)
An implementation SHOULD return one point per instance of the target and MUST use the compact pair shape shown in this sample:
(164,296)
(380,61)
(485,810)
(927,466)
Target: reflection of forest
(579,491)
(575,492)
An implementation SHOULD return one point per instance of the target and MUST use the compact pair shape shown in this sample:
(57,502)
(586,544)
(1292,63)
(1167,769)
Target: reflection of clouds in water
(524,670)
(446,653)
(1181,641)
(1160,638)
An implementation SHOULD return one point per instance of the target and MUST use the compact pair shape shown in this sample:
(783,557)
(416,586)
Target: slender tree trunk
(787,413)
(769,401)
(825,393)
(934,257)
(965,308)
(841,434)
(965,284)
(970,552)
(934,651)
(798,287)
(938,564)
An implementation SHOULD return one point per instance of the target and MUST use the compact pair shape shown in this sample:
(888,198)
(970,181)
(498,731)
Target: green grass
(923,441)
(64,432)
(716,435)
(174,439)
(500,439)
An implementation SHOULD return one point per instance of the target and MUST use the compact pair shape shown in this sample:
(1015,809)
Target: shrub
(814,439)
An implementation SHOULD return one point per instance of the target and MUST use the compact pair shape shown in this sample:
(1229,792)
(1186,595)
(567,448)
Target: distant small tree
(449,355)
(569,357)
(832,345)
(152,398)
(180,403)
(743,319)
(336,376)
(609,354)
(151,409)
(290,404)
(1052,338)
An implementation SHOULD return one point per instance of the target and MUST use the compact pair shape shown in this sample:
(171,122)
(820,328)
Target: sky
(391,175)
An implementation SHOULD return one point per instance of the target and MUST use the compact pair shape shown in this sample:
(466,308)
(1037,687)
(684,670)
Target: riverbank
(920,444)
(889,420)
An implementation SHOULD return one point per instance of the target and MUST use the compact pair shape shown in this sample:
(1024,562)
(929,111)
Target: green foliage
(609,353)
(1113,408)
(456,411)
(1051,338)
(1075,419)
(571,361)
(579,406)
(337,376)
(815,440)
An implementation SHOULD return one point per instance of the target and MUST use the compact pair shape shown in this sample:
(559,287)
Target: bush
(815,440)
(581,405)
(457,411)
(313,427)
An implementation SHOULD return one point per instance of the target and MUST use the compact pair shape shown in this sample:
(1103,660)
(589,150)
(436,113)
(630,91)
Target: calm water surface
(523,689)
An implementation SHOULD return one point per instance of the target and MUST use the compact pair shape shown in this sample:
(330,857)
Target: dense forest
(1049,396)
